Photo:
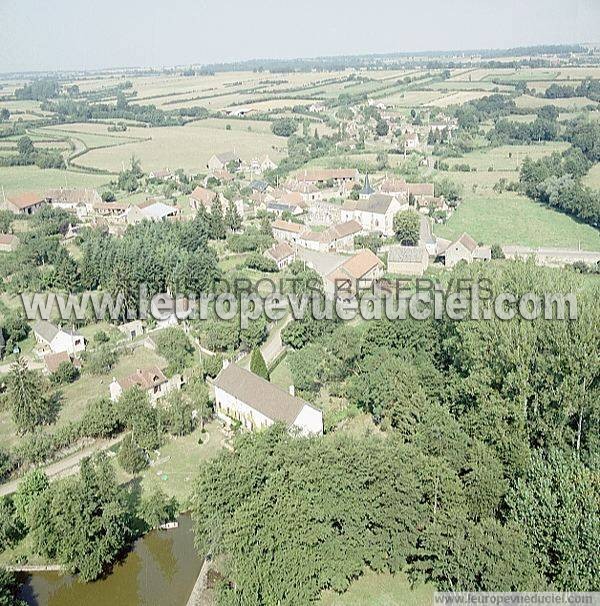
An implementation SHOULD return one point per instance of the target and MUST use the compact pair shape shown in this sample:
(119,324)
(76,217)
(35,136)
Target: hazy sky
(76,34)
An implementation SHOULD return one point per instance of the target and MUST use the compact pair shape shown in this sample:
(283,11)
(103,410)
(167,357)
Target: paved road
(65,467)
(273,347)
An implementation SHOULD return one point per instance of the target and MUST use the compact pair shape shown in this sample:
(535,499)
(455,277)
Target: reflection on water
(160,571)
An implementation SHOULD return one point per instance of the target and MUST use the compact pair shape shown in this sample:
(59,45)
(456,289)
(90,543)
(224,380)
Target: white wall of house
(457,252)
(309,421)
(229,407)
(63,341)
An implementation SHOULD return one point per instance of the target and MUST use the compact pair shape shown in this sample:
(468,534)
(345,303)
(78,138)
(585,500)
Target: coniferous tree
(258,365)
(31,405)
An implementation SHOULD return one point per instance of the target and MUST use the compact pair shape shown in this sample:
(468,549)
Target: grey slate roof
(46,330)
(405,254)
(270,400)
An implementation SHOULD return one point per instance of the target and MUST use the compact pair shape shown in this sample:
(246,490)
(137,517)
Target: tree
(11,526)
(258,365)
(31,405)
(100,419)
(233,221)
(217,224)
(178,414)
(284,127)
(382,128)
(407,227)
(558,504)
(197,392)
(175,346)
(131,457)
(157,509)
(9,588)
(32,485)
(82,522)
(25,147)
(65,373)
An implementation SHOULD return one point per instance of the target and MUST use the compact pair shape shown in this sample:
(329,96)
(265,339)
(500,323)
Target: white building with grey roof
(242,396)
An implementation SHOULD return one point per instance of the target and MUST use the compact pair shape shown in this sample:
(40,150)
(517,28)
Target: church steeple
(367,190)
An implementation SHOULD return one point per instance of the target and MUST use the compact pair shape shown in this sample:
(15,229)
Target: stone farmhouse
(283,254)
(356,273)
(407,260)
(464,249)
(24,204)
(80,201)
(287,230)
(337,176)
(374,214)
(55,339)
(338,238)
(256,403)
(151,380)
(219,162)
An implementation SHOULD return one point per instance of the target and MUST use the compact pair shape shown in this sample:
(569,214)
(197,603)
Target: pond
(161,569)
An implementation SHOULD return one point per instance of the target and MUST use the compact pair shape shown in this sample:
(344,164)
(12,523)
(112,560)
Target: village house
(79,200)
(394,187)
(155,211)
(279,209)
(163,174)
(287,231)
(421,192)
(255,403)
(219,162)
(309,191)
(374,214)
(202,197)
(52,361)
(411,142)
(321,177)
(283,254)
(464,249)
(56,339)
(407,260)
(151,380)
(24,204)
(110,209)
(339,238)
(359,272)
(321,212)
(258,167)
(8,243)
(132,330)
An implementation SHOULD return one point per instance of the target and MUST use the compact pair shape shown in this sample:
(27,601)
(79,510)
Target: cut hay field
(592,179)
(381,590)
(188,147)
(510,218)
(16,179)
(458,98)
(506,157)
(573,103)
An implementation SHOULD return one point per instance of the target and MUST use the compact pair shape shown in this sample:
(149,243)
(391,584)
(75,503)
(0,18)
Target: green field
(175,468)
(506,157)
(15,179)
(77,395)
(374,589)
(510,218)
(592,179)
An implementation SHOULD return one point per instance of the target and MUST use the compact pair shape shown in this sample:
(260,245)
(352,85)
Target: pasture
(16,179)
(188,147)
(510,218)
(381,590)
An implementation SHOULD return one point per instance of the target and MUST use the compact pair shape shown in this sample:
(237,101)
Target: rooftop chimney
(292,391)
